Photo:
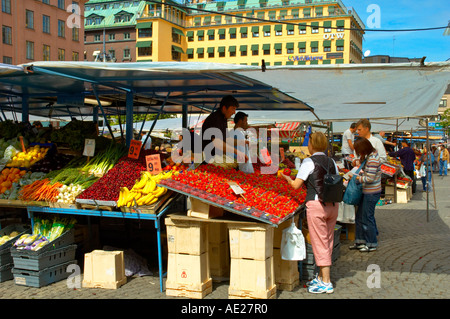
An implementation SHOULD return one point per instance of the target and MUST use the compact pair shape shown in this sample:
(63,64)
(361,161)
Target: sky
(405,14)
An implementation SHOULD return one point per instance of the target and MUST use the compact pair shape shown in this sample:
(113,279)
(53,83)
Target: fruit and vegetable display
(266,196)
(29,157)
(6,238)
(44,232)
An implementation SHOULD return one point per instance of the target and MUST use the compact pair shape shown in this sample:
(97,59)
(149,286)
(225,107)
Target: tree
(114,120)
(445,121)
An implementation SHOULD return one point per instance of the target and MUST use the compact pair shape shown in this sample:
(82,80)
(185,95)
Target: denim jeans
(424,181)
(366,227)
(442,167)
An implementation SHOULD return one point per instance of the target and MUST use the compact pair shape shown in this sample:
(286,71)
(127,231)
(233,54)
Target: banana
(141,183)
(119,201)
(152,201)
(159,191)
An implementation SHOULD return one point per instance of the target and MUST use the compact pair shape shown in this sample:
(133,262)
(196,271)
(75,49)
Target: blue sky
(406,14)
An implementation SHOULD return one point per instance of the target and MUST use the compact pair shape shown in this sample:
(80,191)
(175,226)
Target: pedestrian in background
(347,145)
(443,160)
(425,167)
(365,224)
(407,158)
(435,163)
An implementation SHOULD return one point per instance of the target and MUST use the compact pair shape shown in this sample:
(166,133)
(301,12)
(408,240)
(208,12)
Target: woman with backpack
(321,216)
(365,224)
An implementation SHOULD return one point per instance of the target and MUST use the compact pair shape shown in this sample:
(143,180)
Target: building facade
(41,30)
(110,30)
(280,32)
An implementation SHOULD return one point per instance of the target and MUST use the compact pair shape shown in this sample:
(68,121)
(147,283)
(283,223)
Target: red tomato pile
(265,195)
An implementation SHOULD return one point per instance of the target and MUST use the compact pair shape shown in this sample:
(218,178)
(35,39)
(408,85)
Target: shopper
(407,158)
(435,164)
(425,167)
(365,224)
(347,144)
(443,160)
(387,144)
(363,127)
(321,217)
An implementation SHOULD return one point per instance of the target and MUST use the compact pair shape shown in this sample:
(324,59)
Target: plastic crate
(5,249)
(28,260)
(42,278)
(5,273)
(67,238)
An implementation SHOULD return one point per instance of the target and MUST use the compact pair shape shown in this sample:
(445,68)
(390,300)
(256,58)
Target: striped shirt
(371,178)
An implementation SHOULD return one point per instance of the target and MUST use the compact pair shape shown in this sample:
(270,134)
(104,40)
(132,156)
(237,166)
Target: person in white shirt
(347,144)
(148,144)
(238,133)
(363,127)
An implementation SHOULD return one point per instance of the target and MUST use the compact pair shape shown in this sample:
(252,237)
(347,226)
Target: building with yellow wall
(285,32)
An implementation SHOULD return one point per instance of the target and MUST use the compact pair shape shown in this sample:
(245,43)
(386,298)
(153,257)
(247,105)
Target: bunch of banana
(145,191)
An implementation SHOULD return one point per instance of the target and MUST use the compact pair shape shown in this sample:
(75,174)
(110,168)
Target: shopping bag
(353,193)
(293,243)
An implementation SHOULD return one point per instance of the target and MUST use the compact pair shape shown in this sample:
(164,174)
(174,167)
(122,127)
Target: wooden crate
(252,242)
(188,272)
(203,210)
(217,233)
(278,231)
(402,194)
(186,237)
(286,272)
(348,231)
(219,261)
(104,269)
(251,278)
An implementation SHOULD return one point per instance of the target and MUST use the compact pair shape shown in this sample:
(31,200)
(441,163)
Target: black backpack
(333,186)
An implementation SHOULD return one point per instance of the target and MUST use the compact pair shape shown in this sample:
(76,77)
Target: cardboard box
(253,242)
(286,272)
(186,237)
(203,210)
(104,269)
(252,279)
(188,272)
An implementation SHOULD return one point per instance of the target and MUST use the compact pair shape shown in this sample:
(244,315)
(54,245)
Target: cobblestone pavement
(413,259)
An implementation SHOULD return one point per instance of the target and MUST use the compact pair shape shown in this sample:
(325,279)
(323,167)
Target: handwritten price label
(153,164)
(135,149)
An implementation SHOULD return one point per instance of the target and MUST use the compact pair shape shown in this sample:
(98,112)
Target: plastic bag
(10,152)
(248,166)
(293,243)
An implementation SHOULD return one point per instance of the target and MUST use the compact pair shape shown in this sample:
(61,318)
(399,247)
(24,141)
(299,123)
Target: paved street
(413,259)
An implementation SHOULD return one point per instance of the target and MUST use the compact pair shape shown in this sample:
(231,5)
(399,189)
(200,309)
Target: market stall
(65,89)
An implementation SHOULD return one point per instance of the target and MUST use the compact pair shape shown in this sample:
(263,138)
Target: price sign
(135,149)
(236,188)
(89,147)
(153,164)
(265,157)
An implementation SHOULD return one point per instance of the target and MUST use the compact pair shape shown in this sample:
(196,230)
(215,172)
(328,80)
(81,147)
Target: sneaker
(313,282)
(356,246)
(367,249)
(321,288)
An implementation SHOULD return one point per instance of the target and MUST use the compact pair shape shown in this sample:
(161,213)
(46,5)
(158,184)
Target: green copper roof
(109,9)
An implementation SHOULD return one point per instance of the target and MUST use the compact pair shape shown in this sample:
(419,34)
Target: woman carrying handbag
(365,224)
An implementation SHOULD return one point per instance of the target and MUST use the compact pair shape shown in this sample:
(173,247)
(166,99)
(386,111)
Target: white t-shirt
(307,167)
(348,135)
(147,145)
(379,146)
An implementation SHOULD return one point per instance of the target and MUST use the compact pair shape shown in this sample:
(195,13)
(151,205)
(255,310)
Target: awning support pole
(129,119)
(103,112)
(155,120)
(25,109)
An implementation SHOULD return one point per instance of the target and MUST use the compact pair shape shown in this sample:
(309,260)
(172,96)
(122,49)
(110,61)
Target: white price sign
(89,147)
(236,188)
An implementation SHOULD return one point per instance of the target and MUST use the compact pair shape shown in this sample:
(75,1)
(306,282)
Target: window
(278,48)
(46,24)
(243,32)
(266,49)
(315,27)
(126,53)
(243,50)
(211,34)
(46,1)
(340,24)
(314,46)
(6,6)
(200,35)
(210,52)
(61,28)
(46,53)
(61,55)
(443,103)
(326,49)
(30,50)
(29,19)
(147,51)
(111,36)
(145,32)
(200,53)
(255,32)
(232,50)
(126,36)
(7,60)
(290,29)
(75,34)
(97,38)
(313,50)
(61,4)
(278,29)
(112,54)
(190,53)
(290,48)
(221,51)
(302,28)
(255,49)
(6,35)
(232,32)
(266,30)
(339,45)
